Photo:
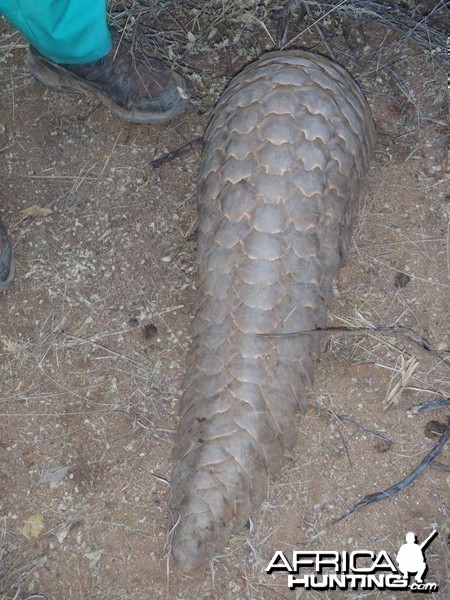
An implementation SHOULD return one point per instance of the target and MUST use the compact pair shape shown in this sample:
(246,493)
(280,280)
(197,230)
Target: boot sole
(4,285)
(54,76)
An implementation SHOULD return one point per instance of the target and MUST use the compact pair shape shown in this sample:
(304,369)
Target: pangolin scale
(284,157)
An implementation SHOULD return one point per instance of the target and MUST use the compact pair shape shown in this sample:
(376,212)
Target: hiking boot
(7,264)
(135,87)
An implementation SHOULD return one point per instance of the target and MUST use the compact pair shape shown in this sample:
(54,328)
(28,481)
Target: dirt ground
(89,388)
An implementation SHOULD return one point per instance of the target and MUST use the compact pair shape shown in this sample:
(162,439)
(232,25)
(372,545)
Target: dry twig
(404,483)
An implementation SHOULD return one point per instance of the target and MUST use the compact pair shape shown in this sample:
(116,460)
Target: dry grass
(16,567)
(187,33)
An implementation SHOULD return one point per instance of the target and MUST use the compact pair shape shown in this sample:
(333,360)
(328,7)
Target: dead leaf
(54,476)
(94,556)
(182,93)
(33,526)
(35,211)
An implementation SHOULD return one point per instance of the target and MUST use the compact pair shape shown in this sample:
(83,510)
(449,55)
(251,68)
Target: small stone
(401,280)
(149,331)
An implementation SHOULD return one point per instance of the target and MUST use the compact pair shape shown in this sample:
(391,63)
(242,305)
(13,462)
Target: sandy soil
(89,386)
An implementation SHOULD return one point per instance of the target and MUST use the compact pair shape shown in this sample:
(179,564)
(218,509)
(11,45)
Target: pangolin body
(279,180)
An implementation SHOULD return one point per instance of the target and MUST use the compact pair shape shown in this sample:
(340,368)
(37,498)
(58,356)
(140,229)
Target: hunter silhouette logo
(411,559)
(360,569)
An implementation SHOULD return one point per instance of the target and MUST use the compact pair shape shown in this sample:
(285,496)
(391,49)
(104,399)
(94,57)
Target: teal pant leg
(65,31)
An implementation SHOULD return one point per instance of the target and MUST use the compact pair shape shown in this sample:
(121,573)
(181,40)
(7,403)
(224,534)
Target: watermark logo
(361,569)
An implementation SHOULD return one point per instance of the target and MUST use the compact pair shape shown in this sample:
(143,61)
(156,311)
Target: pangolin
(284,157)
